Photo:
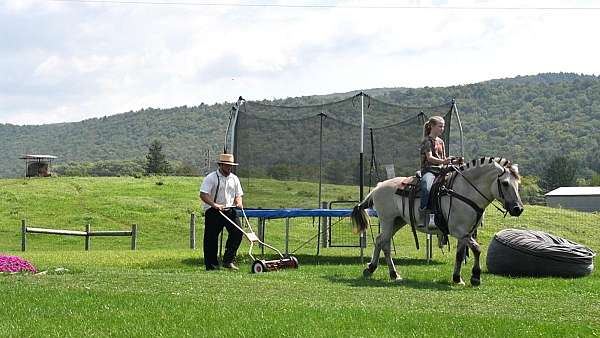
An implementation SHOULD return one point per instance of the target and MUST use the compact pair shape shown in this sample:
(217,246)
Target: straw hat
(226,159)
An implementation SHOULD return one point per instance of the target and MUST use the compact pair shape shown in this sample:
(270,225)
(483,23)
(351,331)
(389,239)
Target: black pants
(213,226)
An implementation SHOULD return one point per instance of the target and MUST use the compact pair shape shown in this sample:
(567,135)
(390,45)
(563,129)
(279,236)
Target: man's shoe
(230,266)
(212,267)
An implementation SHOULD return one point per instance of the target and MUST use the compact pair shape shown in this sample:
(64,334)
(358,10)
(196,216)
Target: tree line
(530,120)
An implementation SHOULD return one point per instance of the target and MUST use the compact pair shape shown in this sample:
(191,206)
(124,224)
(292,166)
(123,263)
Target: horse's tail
(359,216)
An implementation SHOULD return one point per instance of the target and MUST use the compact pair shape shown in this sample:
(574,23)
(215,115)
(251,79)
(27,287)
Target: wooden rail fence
(88,234)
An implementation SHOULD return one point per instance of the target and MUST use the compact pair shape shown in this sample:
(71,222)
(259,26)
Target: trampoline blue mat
(297,212)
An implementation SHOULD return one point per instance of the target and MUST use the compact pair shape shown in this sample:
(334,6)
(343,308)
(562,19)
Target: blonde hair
(434,120)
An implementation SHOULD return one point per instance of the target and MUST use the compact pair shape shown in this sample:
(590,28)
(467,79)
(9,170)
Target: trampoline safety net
(321,143)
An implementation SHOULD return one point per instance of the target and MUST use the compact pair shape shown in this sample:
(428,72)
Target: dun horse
(475,185)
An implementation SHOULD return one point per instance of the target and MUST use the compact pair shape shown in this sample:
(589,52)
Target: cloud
(65,61)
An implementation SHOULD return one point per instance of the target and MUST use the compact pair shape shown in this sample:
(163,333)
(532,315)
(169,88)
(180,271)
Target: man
(221,191)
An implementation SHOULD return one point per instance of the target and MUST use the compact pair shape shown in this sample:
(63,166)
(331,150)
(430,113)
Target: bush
(101,168)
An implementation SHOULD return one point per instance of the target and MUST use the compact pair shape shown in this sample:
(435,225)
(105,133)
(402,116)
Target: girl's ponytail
(434,120)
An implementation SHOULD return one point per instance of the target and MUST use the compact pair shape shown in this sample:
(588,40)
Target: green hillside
(185,132)
(161,206)
(527,119)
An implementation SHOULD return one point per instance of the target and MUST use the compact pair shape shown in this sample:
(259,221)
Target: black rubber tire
(515,252)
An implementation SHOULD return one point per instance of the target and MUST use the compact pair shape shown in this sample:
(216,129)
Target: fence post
(193,231)
(133,236)
(23,235)
(88,229)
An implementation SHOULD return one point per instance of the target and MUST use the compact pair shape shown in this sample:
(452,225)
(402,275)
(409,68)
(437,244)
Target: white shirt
(229,188)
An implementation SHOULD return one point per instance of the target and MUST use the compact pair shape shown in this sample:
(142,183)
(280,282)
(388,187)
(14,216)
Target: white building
(578,198)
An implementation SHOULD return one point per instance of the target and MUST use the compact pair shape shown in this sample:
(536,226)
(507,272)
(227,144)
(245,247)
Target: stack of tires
(515,252)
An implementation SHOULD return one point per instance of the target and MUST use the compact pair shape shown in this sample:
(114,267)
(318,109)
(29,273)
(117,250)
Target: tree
(560,172)
(156,162)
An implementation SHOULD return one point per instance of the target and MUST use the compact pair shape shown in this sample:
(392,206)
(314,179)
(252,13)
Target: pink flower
(15,264)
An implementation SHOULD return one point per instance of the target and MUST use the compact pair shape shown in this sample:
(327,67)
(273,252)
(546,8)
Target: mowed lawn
(162,289)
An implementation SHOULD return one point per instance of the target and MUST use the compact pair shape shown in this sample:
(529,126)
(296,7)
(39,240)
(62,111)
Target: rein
(491,201)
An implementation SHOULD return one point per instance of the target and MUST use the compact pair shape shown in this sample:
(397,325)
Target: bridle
(490,200)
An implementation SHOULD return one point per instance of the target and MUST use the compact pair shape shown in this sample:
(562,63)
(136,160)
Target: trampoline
(263,214)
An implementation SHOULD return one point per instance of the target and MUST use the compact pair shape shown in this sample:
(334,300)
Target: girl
(433,158)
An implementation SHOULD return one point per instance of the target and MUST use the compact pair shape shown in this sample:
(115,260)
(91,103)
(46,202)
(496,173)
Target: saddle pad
(399,182)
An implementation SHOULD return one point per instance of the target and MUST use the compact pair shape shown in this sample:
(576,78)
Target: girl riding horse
(476,185)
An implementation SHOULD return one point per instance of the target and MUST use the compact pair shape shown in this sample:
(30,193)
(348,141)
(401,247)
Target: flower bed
(12,264)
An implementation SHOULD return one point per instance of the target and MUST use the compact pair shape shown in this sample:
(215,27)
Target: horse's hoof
(398,279)
(367,273)
(475,281)
(457,280)
(371,267)
(394,276)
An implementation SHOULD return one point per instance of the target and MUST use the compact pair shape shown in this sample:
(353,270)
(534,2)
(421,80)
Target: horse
(475,185)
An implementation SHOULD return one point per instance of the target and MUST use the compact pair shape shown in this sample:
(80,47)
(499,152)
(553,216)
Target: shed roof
(575,191)
(37,157)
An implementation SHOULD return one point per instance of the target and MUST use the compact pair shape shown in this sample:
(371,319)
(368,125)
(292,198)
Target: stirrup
(428,222)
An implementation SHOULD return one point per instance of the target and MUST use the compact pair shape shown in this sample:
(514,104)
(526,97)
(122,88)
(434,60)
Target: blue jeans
(426,183)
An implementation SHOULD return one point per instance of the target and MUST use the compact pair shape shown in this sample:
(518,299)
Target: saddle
(442,186)
(412,191)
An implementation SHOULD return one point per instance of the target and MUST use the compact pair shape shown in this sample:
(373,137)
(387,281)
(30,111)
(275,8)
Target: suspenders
(218,183)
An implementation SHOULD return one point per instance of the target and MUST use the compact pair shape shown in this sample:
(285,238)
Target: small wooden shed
(37,165)
(578,198)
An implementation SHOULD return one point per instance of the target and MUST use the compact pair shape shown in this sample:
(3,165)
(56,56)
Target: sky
(70,60)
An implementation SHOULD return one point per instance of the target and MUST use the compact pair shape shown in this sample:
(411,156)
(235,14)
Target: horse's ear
(499,168)
(516,168)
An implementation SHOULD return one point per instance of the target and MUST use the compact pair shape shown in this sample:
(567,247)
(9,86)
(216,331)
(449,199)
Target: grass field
(162,289)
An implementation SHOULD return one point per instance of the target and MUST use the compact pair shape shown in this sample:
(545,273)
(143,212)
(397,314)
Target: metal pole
(323,229)
(232,127)
(261,232)
(362,144)
(455,109)
(428,247)
(193,231)
(320,159)
(287,234)
(363,235)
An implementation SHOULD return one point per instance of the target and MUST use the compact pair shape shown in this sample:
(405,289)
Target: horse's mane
(476,163)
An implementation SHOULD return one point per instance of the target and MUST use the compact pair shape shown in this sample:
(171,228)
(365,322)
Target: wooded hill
(529,119)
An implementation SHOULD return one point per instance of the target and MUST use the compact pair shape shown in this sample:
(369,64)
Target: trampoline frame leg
(428,247)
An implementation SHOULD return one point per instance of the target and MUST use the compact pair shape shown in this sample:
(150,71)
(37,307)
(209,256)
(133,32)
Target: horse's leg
(372,266)
(461,248)
(387,252)
(476,272)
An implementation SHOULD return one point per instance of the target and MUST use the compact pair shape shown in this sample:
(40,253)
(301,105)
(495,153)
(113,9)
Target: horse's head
(506,189)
